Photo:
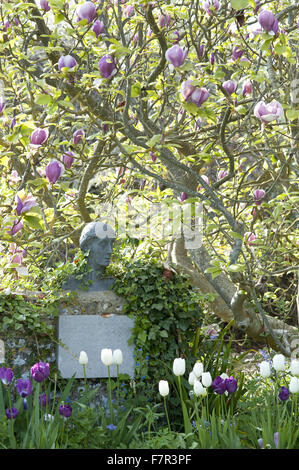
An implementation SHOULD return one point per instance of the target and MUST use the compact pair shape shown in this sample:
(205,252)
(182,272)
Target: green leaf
(33,222)
(43,99)
(154,140)
(235,268)
(239,4)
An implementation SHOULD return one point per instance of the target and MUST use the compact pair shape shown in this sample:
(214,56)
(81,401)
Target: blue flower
(111,427)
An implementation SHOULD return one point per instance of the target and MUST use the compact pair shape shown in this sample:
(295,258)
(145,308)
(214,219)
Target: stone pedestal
(90,322)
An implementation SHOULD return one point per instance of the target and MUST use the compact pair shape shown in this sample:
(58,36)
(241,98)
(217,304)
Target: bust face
(100,251)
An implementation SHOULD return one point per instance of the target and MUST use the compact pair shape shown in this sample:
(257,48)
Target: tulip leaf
(239,4)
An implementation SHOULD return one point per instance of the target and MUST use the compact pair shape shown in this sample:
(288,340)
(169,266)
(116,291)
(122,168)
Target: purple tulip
(98,28)
(260,443)
(259,195)
(221,174)
(68,159)
(284,394)
(2,105)
(199,96)
(247,88)
(268,112)
(211,5)
(230,86)
(183,197)
(66,61)
(231,385)
(164,20)
(77,136)
(54,170)
(6,375)
(65,410)
(219,385)
(268,21)
(26,204)
(237,53)
(38,137)
(40,371)
(107,66)
(87,11)
(44,5)
(11,412)
(17,226)
(24,387)
(176,55)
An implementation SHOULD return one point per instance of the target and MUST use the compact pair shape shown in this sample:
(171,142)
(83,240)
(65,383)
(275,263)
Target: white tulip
(265,369)
(294,367)
(294,385)
(279,362)
(179,366)
(199,389)
(198,369)
(206,379)
(191,378)
(117,357)
(224,376)
(107,357)
(83,358)
(163,388)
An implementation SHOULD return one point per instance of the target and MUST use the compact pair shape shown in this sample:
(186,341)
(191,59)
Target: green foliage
(17,314)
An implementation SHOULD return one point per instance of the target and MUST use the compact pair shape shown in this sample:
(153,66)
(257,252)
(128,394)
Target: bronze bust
(98,239)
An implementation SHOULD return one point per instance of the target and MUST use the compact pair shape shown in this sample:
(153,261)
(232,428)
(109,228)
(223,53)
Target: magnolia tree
(177,105)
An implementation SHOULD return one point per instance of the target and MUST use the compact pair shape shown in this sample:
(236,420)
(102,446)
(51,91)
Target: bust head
(97,238)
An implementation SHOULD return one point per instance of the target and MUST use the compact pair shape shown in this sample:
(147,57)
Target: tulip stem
(110,395)
(165,406)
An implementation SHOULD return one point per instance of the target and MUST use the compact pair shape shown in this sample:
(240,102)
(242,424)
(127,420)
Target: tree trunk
(230,304)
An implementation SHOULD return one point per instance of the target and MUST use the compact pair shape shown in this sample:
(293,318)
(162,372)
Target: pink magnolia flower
(268,112)
(250,237)
(211,6)
(54,170)
(259,195)
(247,88)
(268,21)
(25,204)
(107,66)
(87,11)
(38,137)
(230,86)
(221,174)
(176,55)
(98,28)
